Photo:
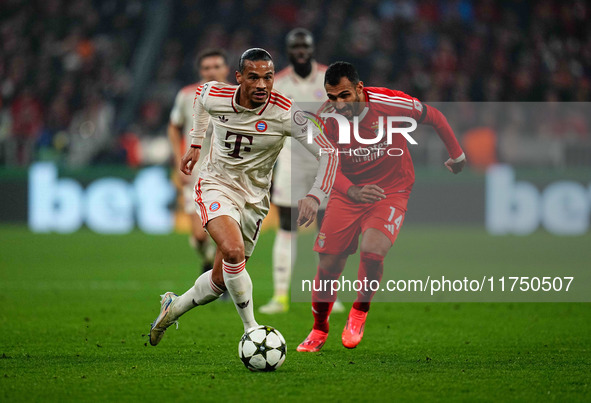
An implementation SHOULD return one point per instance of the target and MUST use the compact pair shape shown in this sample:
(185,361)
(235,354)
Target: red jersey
(387,165)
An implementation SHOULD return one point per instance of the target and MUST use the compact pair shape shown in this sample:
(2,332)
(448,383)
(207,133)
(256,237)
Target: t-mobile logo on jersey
(237,144)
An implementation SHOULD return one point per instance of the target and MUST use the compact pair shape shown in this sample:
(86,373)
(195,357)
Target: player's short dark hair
(211,53)
(298,32)
(254,55)
(338,70)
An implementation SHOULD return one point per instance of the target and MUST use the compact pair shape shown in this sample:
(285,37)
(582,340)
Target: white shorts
(213,201)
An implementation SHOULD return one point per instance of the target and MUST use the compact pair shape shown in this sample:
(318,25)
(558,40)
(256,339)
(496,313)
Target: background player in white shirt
(302,81)
(212,65)
(250,123)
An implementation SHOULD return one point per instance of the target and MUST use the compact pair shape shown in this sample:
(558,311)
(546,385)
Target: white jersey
(301,90)
(181,115)
(246,142)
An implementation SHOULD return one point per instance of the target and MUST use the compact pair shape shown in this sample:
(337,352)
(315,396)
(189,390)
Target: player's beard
(302,68)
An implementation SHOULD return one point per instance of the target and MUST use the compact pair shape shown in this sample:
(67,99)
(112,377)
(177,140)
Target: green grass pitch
(75,310)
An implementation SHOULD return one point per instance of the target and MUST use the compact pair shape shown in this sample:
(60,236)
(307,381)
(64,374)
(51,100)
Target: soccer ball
(262,348)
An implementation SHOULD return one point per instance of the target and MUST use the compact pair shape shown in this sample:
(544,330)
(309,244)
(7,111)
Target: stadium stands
(65,67)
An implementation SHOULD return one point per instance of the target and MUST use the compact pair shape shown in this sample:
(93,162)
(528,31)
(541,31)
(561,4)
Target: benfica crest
(321,239)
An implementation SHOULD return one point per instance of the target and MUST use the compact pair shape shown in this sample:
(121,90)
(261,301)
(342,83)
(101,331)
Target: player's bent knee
(377,250)
(332,263)
(371,258)
(233,253)
(376,242)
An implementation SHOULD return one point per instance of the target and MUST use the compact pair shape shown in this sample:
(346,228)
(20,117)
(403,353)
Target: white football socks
(239,287)
(203,292)
(283,261)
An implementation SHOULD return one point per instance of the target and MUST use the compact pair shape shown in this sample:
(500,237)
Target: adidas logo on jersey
(223,118)
(390,228)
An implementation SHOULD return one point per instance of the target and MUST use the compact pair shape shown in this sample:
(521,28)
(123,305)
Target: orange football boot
(353,331)
(313,342)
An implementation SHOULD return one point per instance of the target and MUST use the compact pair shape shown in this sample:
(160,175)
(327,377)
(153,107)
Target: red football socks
(322,298)
(371,269)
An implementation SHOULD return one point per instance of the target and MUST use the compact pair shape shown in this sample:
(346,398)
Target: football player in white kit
(302,81)
(212,65)
(250,123)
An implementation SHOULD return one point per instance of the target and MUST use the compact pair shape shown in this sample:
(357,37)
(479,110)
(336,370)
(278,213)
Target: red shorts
(345,220)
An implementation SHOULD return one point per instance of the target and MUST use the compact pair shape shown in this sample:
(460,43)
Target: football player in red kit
(370,192)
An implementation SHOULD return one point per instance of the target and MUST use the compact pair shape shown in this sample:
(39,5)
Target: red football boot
(353,331)
(313,342)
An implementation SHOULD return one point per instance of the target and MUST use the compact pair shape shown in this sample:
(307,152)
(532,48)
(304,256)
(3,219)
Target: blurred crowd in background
(67,67)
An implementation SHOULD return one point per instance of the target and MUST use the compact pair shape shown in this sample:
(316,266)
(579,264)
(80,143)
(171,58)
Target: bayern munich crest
(261,126)
(214,206)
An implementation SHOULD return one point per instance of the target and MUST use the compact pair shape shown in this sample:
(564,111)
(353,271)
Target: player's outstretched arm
(455,167)
(457,158)
(200,123)
(190,159)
